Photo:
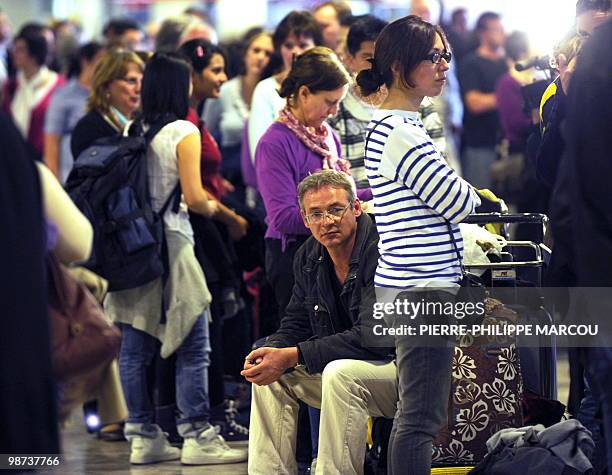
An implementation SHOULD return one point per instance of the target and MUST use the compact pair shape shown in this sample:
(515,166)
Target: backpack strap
(174,195)
(149,135)
(455,247)
(156,126)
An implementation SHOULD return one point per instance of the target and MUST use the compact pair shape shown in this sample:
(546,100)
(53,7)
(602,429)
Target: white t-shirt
(225,116)
(163,173)
(265,106)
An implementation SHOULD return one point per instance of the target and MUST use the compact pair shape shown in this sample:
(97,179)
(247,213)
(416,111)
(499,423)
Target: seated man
(320,336)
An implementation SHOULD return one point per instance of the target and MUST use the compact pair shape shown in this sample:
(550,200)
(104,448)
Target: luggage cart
(538,365)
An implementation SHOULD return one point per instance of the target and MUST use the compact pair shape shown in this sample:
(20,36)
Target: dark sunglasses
(436,57)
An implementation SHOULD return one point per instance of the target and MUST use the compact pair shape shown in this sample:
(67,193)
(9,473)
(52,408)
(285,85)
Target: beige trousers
(348,391)
(111,402)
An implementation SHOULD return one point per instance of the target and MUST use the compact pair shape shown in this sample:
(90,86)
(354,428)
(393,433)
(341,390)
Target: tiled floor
(86,455)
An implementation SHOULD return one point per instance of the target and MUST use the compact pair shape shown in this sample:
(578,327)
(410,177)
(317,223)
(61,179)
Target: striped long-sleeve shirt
(416,195)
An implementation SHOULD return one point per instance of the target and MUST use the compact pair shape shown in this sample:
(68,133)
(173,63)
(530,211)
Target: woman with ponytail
(418,203)
(298,143)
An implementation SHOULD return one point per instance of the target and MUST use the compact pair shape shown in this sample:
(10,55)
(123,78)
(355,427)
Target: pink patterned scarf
(315,140)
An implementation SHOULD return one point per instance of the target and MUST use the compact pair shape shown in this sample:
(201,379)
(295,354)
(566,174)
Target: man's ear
(304,219)
(357,208)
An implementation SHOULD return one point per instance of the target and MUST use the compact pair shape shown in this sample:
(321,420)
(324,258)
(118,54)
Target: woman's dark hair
(33,35)
(517,45)
(165,87)
(404,43)
(199,52)
(236,51)
(86,52)
(319,69)
(300,23)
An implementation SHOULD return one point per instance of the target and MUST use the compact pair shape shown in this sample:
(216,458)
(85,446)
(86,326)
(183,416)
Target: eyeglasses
(335,214)
(436,57)
(131,81)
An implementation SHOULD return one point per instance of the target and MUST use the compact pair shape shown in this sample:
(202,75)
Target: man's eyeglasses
(335,214)
(437,56)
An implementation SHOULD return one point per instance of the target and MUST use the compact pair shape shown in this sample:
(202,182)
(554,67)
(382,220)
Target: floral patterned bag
(486,393)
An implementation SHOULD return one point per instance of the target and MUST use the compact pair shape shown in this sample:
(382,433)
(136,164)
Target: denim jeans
(192,360)
(599,365)
(589,416)
(424,380)
(314,415)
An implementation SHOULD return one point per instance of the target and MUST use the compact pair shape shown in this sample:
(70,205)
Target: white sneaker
(209,448)
(146,450)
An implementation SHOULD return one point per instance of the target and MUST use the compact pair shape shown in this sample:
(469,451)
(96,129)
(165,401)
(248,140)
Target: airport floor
(84,454)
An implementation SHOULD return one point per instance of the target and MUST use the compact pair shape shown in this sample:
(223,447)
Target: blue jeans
(314,415)
(589,417)
(424,380)
(192,360)
(476,165)
(599,365)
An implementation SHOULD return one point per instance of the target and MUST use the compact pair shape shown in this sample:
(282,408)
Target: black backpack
(109,184)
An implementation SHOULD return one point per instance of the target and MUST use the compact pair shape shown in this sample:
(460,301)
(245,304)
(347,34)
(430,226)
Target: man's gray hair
(323,178)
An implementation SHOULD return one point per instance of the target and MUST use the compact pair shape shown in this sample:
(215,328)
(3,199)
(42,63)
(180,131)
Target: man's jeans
(476,165)
(348,391)
(137,352)
(424,379)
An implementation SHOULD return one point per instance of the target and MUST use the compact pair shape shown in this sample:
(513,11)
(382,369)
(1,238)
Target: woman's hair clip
(199,51)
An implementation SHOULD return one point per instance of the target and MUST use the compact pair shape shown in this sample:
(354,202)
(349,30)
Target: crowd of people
(293,171)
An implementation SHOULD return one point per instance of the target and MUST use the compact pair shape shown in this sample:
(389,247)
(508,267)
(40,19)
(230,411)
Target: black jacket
(588,156)
(311,319)
(28,415)
(91,127)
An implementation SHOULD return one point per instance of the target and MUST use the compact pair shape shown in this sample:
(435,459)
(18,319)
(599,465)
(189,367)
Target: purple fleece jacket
(281,162)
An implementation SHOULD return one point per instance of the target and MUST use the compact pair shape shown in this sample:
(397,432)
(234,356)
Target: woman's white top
(265,106)
(164,175)
(225,116)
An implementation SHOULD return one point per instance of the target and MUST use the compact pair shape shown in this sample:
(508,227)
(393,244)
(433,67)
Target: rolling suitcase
(486,393)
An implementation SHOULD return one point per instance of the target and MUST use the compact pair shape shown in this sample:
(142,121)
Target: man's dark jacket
(311,319)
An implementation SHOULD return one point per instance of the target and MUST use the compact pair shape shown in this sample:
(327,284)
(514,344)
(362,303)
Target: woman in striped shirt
(418,203)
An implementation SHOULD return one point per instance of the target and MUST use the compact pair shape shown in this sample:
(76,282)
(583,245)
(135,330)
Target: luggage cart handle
(537,262)
(521,218)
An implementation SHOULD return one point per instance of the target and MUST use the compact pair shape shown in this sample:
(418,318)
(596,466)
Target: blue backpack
(109,184)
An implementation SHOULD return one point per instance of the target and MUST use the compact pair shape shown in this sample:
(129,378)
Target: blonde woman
(115,96)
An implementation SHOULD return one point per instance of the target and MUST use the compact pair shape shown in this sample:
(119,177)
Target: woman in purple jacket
(297,144)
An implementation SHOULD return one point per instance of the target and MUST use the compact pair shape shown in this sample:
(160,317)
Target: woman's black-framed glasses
(437,56)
